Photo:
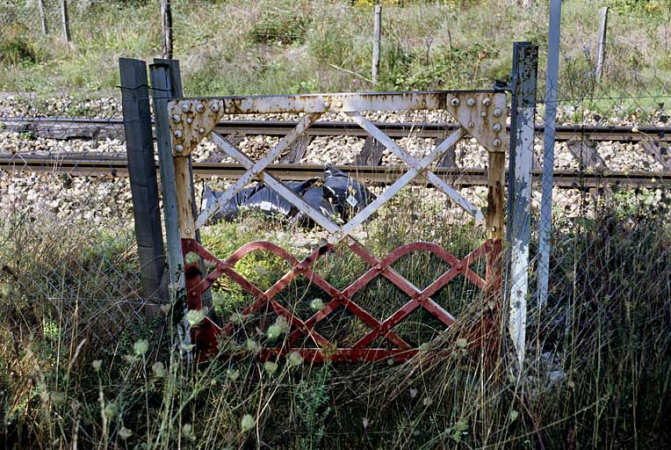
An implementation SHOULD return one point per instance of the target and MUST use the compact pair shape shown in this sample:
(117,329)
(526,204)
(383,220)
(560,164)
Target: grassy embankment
(297,46)
(79,365)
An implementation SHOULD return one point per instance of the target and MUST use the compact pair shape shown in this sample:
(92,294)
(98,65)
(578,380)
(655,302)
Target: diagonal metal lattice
(480,115)
(361,350)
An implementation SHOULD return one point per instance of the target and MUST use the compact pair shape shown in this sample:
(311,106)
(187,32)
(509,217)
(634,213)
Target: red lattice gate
(481,115)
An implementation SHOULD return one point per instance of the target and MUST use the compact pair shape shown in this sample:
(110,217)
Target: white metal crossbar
(480,114)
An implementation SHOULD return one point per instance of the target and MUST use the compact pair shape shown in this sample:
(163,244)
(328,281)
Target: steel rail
(100,128)
(115,165)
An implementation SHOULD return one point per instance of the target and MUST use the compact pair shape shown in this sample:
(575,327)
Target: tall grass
(597,372)
(296,46)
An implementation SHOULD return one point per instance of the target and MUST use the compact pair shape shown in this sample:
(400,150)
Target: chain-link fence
(68,251)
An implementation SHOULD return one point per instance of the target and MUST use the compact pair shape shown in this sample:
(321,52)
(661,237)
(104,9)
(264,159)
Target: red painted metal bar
(206,334)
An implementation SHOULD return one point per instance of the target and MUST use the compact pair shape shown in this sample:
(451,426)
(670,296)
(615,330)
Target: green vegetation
(298,46)
(78,365)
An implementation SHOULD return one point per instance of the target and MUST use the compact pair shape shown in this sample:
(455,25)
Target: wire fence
(69,257)
(609,230)
(67,249)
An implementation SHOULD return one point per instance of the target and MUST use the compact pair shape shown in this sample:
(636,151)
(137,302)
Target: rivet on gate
(185,107)
(455,102)
(179,148)
(327,105)
(483,113)
(496,142)
(214,107)
(339,104)
(178,134)
(497,112)
(459,266)
(470,102)
(486,101)
(189,119)
(187,231)
(227,110)
(201,130)
(471,124)
(255,170)
(200,108)
(176,118)
(497,127)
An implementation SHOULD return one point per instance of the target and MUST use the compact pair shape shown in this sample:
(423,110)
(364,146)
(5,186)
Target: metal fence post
(142,173)
(525,63)
(161,92)
(551,91)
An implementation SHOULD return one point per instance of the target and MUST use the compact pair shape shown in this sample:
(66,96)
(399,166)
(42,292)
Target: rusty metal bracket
(483,115)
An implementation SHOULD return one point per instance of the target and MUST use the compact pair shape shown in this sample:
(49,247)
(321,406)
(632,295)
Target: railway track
(112,165)
(100,128)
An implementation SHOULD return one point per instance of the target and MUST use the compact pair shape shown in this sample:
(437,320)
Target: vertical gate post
(176,91)
(523,110)
(142,172)
(161,92)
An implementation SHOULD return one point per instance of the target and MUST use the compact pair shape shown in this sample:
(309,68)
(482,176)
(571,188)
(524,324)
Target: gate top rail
(352,101)
(481,112)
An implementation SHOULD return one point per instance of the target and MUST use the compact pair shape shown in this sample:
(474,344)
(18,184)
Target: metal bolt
(185,107)
(459,266)
(455,102)
(178,134)
(187,231)
(255,170)
(214,107)
(179,148)
(471,124)
(227,110)
(497,127)
(176,118)
(483,114)
(497,112)
(486,101)
(327,105)
(200,108)
(189,119)
(201,130)
(470,102)
(496,142)
(339,104)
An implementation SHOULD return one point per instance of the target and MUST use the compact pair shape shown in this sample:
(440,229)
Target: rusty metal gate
(480,114)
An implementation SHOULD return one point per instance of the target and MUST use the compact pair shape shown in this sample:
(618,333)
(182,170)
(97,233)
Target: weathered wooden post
(66,21)
(601,50)
(166,29)
(142,173)
(43,17)
(377,37)
(523,111)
